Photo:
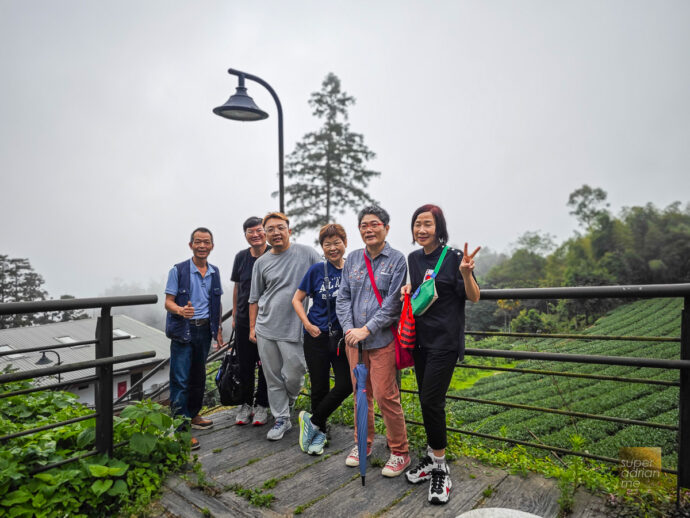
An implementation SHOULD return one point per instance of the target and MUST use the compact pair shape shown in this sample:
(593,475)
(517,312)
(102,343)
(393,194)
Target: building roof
(143,338)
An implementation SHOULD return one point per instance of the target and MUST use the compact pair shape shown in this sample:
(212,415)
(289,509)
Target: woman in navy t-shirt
(440,333)
(322,334)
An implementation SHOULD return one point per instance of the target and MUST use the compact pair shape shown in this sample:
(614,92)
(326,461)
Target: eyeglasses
(373,225)
(335,244)
(257,232)
(279,228)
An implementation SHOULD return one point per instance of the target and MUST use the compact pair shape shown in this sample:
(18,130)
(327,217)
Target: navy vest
(177,327)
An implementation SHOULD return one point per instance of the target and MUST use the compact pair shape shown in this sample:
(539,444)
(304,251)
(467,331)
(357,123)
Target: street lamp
(241,107)
(44,360)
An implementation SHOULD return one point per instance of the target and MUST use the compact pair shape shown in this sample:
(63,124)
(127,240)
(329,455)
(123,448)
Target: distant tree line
(642,245)
(20,283)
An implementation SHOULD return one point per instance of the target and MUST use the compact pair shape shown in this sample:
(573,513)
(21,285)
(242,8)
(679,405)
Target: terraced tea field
(655,403)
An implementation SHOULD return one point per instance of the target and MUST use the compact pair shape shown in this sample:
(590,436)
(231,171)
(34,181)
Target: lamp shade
(44,360)
(240,107)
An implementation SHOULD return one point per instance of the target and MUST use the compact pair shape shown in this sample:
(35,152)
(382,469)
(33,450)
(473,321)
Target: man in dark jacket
(192,300)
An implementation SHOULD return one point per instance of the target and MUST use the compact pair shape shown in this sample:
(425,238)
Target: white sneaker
(421,472)
(244,416)
(439,489)
(260,415)
(281,426)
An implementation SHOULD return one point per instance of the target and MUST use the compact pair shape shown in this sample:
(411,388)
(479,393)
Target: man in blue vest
(192,300)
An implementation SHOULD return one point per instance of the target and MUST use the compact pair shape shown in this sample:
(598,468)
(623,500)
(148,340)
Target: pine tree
(328,167)
(20,283)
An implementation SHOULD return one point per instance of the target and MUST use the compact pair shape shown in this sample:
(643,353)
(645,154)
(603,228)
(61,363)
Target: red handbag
(403,355)
(406,327)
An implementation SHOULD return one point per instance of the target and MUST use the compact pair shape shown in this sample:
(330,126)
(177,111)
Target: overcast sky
(495,110)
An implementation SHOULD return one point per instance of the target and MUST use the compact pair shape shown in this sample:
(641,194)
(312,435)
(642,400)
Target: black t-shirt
(242,274)
(442,326)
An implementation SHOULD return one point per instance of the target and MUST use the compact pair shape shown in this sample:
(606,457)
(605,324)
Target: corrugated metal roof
(145,338)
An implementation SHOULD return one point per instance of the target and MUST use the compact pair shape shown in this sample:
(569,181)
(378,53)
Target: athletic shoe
(194,444)
(353,458)
(281,426)
(396,465)
(199,423)
(306,430)
(421,472)
(260,415)
(244,416)
(439,489)
(317,443)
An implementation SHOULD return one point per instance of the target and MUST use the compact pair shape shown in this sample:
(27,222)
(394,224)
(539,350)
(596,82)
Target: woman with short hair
(440,333)
(322,334)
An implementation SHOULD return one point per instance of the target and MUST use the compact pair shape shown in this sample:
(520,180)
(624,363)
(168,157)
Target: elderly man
(365,320)
(192,300)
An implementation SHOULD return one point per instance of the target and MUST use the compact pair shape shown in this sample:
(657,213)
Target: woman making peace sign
(440,337)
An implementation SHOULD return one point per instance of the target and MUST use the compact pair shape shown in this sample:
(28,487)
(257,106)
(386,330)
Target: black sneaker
(439,489)
(421,472)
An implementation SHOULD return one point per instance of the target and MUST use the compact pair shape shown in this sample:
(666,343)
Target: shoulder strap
(327,286)
(440,260)
(371,278)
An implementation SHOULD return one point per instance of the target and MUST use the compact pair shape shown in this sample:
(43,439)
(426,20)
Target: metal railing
(103,363)
(619,292)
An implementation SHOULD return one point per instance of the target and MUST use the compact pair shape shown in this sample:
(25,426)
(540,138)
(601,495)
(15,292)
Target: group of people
(356,302)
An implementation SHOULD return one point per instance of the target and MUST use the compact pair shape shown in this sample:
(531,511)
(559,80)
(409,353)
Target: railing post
(104,386)
(684,401)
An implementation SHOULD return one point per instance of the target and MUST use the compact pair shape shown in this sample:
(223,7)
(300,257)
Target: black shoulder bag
(333,336)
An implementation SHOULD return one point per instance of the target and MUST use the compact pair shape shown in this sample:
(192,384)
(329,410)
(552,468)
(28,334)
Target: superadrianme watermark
(639,467)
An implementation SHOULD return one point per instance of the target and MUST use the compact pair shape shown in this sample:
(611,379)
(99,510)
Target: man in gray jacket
(273,323)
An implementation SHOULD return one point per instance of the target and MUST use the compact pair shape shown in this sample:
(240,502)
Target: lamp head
(44,360)
(241,107)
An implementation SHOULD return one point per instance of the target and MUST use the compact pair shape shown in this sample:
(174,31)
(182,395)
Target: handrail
(636,291)
(39,306)
(71,367)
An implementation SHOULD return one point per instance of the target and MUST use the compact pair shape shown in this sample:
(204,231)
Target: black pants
(249,359)
(434,371)
(324,400)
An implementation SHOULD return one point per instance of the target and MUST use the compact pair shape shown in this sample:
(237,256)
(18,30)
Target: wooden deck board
(240,456)
(533,494)
(470,479)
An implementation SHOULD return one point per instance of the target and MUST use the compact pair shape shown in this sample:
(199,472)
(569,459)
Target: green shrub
(96,485)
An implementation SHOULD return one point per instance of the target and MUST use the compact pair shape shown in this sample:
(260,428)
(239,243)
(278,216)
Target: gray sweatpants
(284,367)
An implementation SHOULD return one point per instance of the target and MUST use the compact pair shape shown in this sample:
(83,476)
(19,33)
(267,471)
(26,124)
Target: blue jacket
(177,327)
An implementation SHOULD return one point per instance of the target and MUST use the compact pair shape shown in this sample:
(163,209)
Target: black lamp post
(241,107)
(44,360)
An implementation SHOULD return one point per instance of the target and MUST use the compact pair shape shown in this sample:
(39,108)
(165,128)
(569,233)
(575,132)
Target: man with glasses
(273,323)
(192,300)
(365,320)
(248,354)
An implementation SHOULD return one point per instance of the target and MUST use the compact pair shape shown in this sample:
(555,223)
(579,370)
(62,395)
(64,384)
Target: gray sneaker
(260,415)
(244,416)
(281,426)
(317,443)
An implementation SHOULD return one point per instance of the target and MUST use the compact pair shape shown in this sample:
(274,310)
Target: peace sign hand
(467,263)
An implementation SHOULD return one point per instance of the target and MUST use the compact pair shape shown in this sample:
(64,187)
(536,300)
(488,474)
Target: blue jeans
(188,372)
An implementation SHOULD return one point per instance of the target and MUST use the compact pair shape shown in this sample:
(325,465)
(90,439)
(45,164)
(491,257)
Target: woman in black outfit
(440,338)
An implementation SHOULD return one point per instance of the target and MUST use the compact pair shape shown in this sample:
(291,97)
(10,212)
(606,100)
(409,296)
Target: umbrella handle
(359,350)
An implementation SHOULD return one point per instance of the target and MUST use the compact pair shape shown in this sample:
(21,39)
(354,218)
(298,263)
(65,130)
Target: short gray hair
(376,211)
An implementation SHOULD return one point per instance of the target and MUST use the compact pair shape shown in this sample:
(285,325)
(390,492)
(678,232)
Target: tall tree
(19,283)
(328,167)
(588,204)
